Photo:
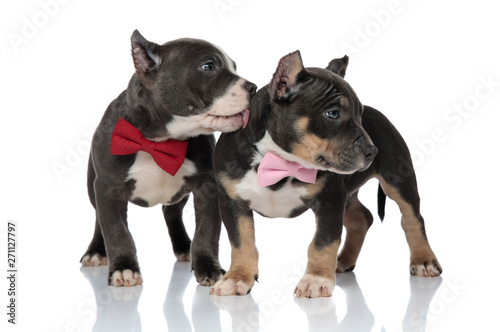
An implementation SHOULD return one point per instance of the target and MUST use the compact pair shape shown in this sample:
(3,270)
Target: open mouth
(244,115)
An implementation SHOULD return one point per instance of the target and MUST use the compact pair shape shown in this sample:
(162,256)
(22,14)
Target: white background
(419,62)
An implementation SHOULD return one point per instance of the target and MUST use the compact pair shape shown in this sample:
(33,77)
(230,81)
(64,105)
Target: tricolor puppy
(310,144)
(154,145)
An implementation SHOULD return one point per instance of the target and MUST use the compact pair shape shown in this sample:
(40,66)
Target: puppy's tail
(381,197)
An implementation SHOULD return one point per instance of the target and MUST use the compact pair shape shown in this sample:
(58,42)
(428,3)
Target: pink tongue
(246,115)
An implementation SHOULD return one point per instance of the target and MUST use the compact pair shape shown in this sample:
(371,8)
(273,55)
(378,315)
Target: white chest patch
(274,204)
(153,184)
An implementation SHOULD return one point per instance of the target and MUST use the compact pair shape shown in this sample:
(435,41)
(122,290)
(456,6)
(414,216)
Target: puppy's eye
(334,114)
(209,66)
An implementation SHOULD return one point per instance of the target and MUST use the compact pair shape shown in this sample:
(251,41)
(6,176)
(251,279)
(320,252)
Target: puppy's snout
(368,149)
(250,87)
(370,152)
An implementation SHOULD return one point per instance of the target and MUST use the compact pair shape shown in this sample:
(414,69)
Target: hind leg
(423,262)
(96,251)
(181,243)
(357,221)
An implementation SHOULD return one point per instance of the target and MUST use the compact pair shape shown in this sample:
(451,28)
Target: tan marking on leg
(244,270)
(245,258)
(229,185)
(319,279)
(423,262)
(410,223)
(356,224)
(322,262)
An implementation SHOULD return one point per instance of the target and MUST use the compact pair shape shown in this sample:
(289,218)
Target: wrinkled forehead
(336,87)
(231,65)
(197,50)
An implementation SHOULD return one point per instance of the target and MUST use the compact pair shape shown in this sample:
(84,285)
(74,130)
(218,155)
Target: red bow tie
(127,139)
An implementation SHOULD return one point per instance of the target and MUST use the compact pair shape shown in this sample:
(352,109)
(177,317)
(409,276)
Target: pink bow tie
(273,168)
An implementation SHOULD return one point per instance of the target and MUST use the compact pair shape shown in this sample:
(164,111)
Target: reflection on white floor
(117,308)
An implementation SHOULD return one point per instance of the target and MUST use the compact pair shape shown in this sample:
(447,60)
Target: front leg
(243,271)
(205,246)
(319,278)
(112,218)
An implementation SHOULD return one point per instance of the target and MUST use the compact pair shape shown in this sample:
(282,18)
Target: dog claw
(314,286)
(225,287)
(94,260)
(125,278)
(425,269)
(215,292)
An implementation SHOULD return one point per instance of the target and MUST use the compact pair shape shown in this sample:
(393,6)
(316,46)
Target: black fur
(181,78)
(355,139)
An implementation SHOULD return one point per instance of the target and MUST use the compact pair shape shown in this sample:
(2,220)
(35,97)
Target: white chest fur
(273,204)
(153,184)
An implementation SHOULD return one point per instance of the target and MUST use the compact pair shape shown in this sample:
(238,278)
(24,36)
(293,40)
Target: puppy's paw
(125,278)
(207,269)
(209,278)
(183,257)
(345,265)
(423,263)
(93,259)
(314,286)
(225,287)
(425,267)
(235,283)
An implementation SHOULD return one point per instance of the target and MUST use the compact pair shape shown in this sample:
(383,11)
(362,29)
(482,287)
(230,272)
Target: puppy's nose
(370,152)
(250,87)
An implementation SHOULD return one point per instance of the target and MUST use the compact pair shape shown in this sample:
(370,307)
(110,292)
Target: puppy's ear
(144,53)
(339,66)
(286,75)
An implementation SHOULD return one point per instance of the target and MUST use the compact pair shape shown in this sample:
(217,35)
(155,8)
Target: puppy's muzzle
(370,153)
(250,87)
(369,150)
